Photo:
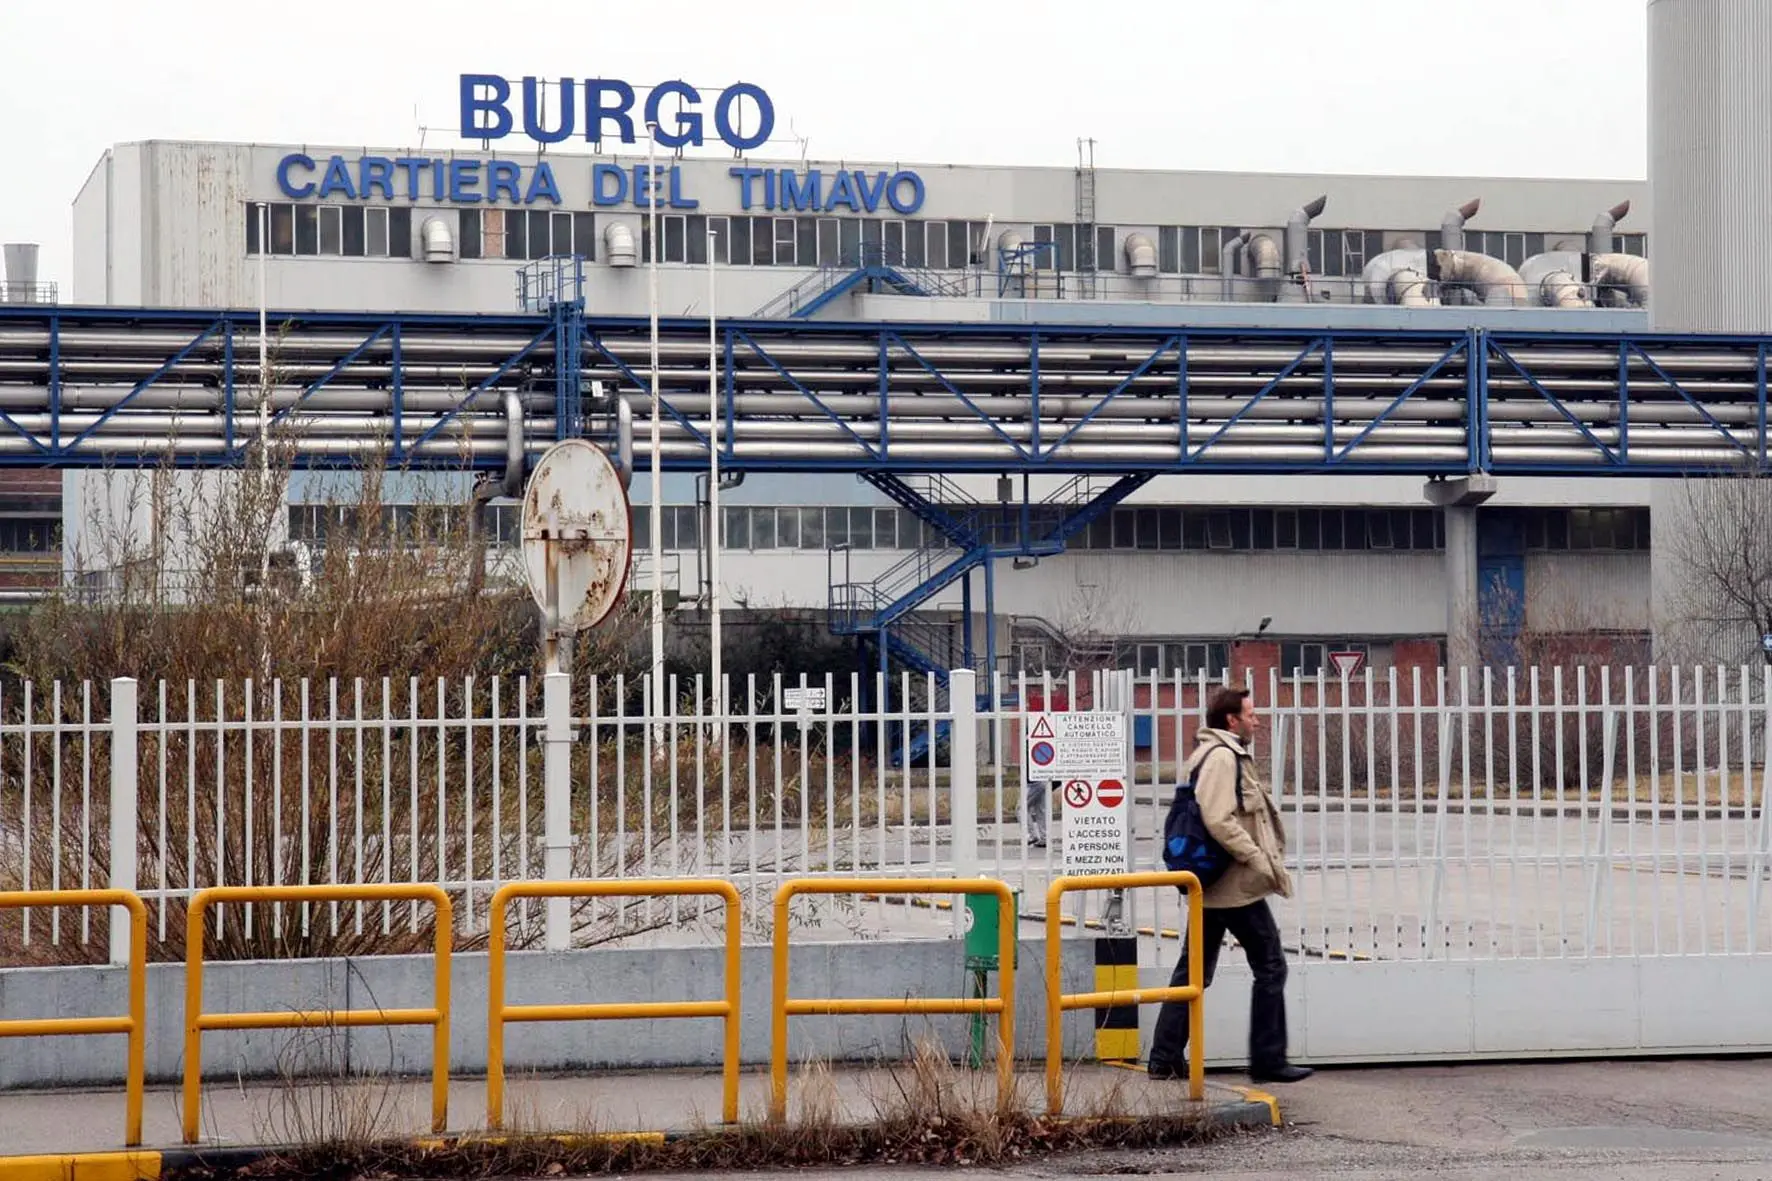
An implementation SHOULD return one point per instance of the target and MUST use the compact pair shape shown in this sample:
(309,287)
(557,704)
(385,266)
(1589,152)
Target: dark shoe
(1284,1074)
(1164,1072)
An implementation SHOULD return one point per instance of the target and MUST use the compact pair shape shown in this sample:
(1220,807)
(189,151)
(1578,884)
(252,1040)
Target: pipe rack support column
(1459,499)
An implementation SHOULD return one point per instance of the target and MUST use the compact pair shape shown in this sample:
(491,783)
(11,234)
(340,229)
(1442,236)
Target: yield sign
(1347,663)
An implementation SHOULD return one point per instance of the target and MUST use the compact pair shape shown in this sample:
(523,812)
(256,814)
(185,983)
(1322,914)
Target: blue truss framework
(904,404)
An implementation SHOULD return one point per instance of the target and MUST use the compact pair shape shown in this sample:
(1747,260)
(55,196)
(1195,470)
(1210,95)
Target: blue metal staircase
(879,612)
(874,269)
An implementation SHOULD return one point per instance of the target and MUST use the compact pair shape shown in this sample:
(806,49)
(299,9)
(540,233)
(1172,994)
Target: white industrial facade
(1188,566)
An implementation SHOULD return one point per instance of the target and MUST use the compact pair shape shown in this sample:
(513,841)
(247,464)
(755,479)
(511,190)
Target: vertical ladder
(1087,263)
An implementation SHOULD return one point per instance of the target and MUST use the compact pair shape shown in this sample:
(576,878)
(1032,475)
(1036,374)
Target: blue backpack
(1187,843)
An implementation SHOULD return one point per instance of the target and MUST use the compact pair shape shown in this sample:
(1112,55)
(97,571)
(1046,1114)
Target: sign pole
(658,688)
(715,432)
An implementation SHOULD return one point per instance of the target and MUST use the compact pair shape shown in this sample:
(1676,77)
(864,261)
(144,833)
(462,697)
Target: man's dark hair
(1225,705)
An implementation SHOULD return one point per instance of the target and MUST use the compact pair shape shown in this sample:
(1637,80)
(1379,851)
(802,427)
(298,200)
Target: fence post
(125,807)
(963,771)
(557,802)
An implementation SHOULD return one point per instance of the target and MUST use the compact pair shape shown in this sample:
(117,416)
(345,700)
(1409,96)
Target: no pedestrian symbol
(1077,793)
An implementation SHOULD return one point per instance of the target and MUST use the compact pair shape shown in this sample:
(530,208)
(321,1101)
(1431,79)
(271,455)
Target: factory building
(1179,578)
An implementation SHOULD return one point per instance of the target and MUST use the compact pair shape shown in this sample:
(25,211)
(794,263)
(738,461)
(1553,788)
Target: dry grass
(925,1111)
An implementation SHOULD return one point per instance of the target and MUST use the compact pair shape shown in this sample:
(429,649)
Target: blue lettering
(688,122)
(768,190)
(502,177)
(723,116)
(644,187)
(463,176)
(472,106)
(541,183)
(899,180)
(411,164)
(871,193)
(842,193)
(532,112)
(797,194)
(597,111)
(296,160)
(375,172)
(336,180)
(678,200)
(744,176)
(601,193)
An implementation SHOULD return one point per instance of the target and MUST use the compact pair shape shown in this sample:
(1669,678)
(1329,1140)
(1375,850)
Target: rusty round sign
(578,536)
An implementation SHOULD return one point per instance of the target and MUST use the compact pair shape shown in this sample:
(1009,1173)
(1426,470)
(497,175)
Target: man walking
(1250,831)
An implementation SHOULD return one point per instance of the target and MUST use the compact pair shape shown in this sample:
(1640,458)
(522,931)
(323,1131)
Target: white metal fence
(1431,815)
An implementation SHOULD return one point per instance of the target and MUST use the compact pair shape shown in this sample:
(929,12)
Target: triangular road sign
(1347,663)
(1042,728)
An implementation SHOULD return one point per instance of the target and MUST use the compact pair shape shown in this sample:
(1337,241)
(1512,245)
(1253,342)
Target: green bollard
(982,932)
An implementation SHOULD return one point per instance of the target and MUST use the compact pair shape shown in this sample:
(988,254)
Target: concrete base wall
(923,968)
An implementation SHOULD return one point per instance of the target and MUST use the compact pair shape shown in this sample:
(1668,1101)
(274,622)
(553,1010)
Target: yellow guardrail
(1059,1002)
(132,1024)
(197,1021)
(499,1013)
(782,1006)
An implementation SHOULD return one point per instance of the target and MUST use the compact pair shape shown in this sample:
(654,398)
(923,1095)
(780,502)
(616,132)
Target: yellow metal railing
(782,1006)
(197,1021)
(1058,1001)
(132,1024)
(499,1013)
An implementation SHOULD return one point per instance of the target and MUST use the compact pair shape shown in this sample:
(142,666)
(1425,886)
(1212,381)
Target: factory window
(1510,246)
(1343,252)
(1171,658)
(1189,250)
(29,534)
(1586,529)
(523,234)
(333,231)
(1637,244)
(1241,530)
(1308,658)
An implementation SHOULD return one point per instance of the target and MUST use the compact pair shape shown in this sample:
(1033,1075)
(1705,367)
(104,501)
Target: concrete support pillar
(1459,499)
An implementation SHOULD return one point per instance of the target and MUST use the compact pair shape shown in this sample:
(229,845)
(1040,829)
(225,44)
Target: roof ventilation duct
(1599,239)
(1452,224)
(1261,256)
(439,241)
(1622,277)
(1230,263)
(618,245)
(1399,277)
(1498,284)
(1298,243)
(1141,256)
(1555,278)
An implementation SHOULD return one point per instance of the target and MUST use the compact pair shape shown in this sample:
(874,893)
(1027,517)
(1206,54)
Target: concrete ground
(54,1122)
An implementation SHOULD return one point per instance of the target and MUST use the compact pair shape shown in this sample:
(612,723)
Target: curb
(1253,1109)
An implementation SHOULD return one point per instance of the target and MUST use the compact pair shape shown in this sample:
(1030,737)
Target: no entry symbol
(1077,793)
(1111,793)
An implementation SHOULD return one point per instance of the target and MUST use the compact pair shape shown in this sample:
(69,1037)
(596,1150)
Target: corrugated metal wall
(1710,164)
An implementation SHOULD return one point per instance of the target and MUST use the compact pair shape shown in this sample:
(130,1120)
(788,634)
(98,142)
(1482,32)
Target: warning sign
(1076,744)
(1097,827)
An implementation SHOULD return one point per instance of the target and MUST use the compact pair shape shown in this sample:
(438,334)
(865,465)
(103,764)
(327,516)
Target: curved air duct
(1555,279)
(1230,263)
(1627,273)
(1141,256)
(1498,284)
(1452,225)
(1399,277)
(1298,242)
(618,245)
(1261,257)
(1599,238)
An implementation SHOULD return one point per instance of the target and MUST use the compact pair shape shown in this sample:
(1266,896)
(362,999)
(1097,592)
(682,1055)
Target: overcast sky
(1497,88)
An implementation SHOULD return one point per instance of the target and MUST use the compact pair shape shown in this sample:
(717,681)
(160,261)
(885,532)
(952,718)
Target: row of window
(358,231)
(1211,658)
(1155,528)
(346,231)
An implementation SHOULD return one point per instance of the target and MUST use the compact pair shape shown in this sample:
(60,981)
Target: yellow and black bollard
(1116,1026)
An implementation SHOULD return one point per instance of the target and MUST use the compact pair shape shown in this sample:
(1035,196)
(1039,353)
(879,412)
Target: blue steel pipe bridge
(906,406)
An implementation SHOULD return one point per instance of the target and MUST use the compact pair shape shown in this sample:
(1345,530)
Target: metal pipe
(715,434)
(658,689)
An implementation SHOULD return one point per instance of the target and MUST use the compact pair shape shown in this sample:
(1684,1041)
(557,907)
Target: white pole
(658,688)
(715,417)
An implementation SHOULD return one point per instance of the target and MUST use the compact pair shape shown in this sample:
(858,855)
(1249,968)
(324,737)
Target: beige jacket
(1254,835)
